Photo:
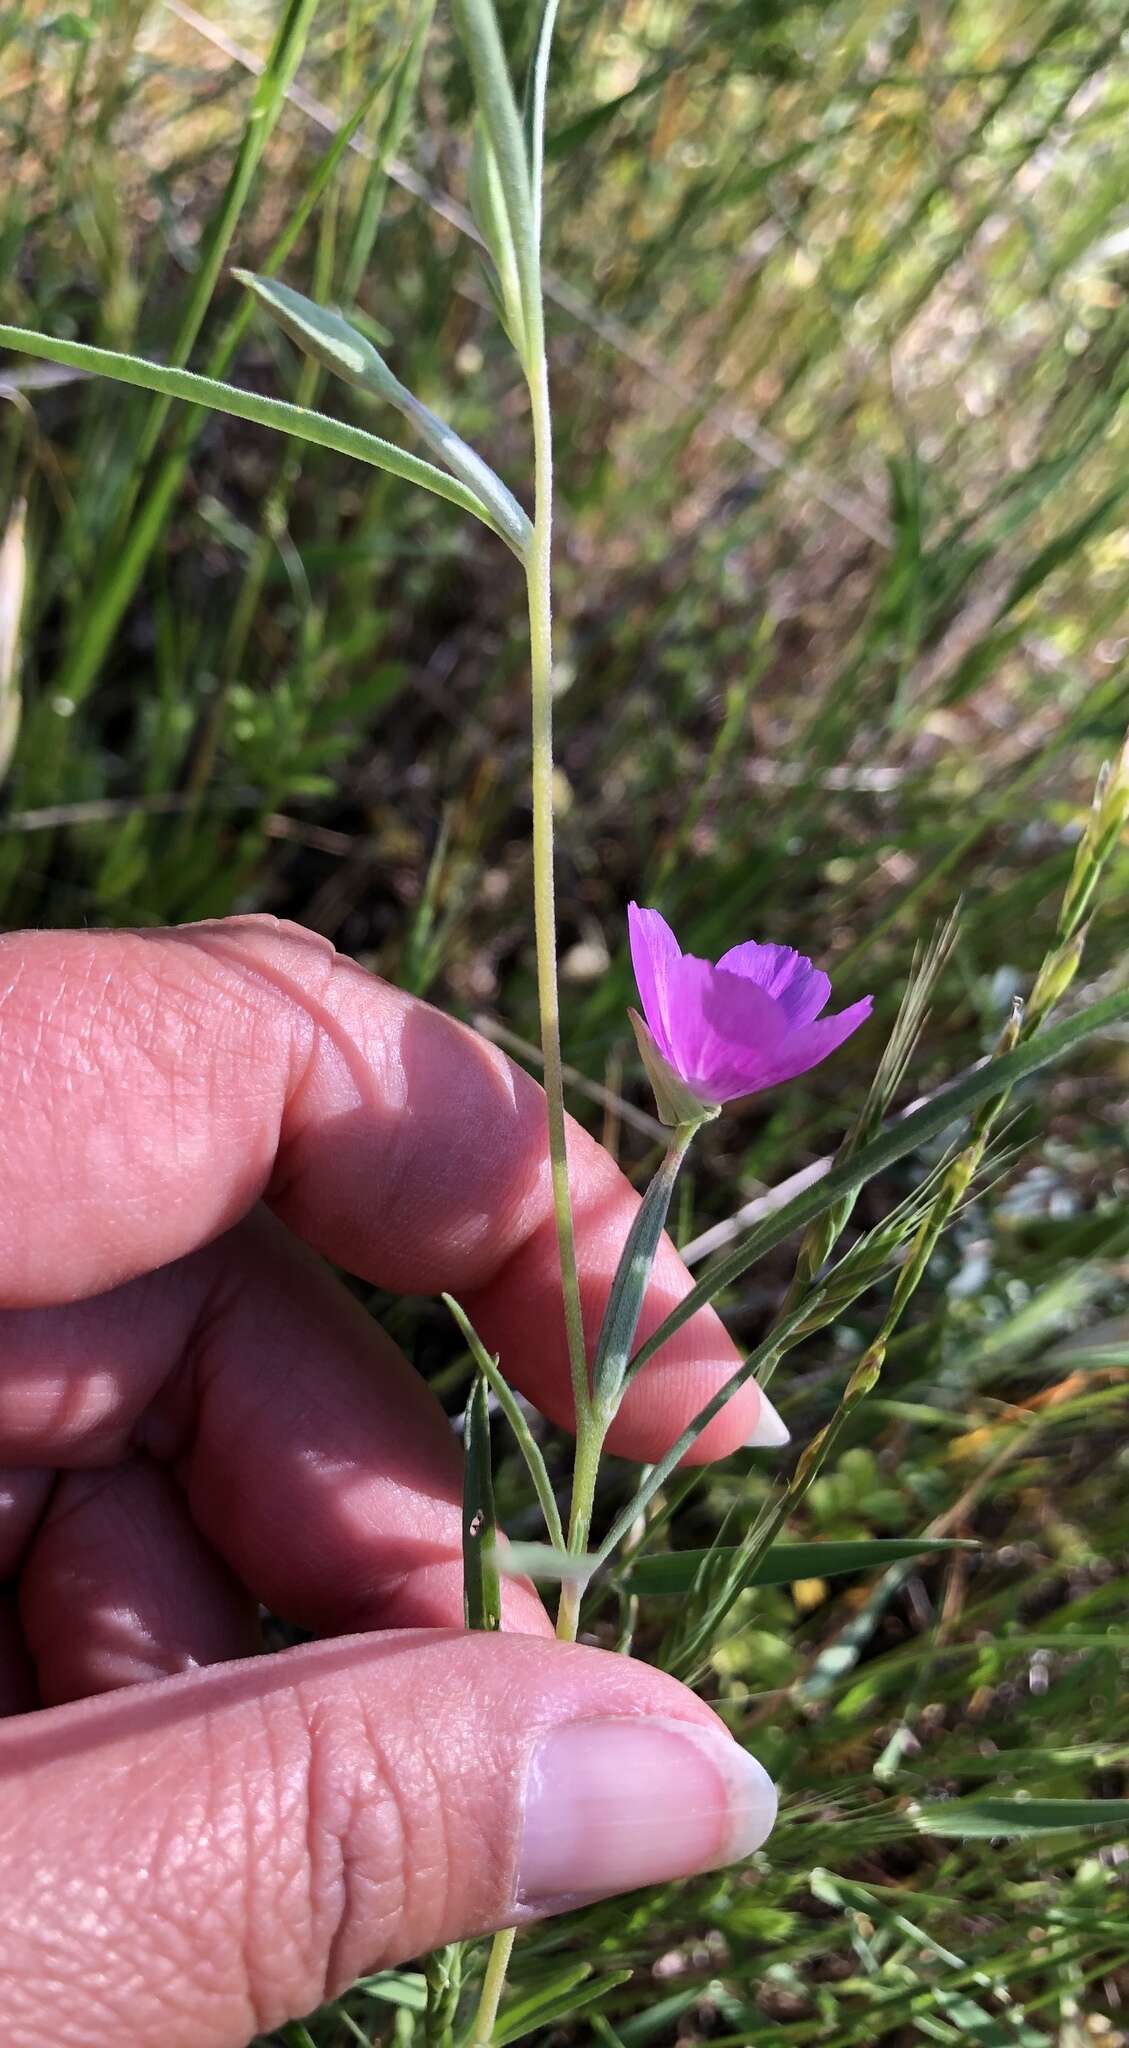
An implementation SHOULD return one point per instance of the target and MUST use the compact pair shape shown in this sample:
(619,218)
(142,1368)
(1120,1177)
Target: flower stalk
(538,569)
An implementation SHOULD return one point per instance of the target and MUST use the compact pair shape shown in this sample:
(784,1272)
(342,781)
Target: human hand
(196,1417)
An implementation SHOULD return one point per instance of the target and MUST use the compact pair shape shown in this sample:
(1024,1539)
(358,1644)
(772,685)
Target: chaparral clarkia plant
(711,1032)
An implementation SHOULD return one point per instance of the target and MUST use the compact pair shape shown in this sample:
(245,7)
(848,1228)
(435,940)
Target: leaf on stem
(482,1595)
(544,2010)
(324,333)
(508,1403)
(488,206)
(629,1285)
(342,349)
(294,420)
(533,123)
(481,38)
(546,1561)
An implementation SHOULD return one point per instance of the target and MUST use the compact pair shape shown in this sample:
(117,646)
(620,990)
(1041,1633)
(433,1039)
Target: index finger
(154,1085)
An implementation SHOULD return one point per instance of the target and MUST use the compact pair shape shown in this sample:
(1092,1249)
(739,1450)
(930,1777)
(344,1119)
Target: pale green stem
(538,575)
(589,1435)
(493,1985)
(589,1444)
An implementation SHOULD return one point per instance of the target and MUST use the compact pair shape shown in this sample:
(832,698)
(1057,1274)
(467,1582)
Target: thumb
(193,1862)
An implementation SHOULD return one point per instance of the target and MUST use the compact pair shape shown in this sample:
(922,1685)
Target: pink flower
(747,1023)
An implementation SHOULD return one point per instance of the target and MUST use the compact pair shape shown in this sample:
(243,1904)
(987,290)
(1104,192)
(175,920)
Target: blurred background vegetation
(839,306)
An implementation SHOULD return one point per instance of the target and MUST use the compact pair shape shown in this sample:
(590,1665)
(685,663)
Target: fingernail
(611,1805)
(771,1430)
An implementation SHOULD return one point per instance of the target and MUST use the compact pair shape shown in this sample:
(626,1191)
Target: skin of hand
(196,1418)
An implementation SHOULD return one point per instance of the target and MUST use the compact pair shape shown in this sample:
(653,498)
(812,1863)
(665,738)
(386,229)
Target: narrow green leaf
(545,1561)
(90,633)
(561,2008)
(629,1284)
(527,2006)
(488,205)
(534,124)
(676,1571)
(323,333)
(271,92)
(397,1987)
(248,405)
(482,1598)
(979,1819)
(346,352)
(479,33)
(507,1401)
(403,76)
(656,2021)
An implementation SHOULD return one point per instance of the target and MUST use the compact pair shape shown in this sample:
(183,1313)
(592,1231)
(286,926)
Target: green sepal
(676,1103)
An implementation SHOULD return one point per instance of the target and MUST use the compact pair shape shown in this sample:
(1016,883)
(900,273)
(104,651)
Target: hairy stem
(493,1985)
(538,574)
(589,1437)
(589,1444)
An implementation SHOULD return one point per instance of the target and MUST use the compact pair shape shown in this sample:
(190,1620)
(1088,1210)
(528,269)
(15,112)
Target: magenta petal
(805,1049)
(750,1022)
(655,955)
(800,988)
(725,1031)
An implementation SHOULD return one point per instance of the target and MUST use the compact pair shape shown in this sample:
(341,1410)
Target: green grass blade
(676,1571)
(964,1820)
(535,109)
(624,1305)
(547,2012)
(103,611)
(893,1143)
(269,99)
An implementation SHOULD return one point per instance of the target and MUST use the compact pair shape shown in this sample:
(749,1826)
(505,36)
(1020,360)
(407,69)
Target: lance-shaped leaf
(342,349)
(629,1285)
(488,205)
(297,421)
(482,1600)
(479,34)
(509,1405)
(533,122)
(666,1574)
(543,2008)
